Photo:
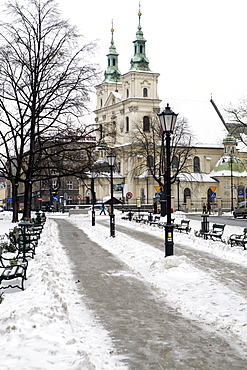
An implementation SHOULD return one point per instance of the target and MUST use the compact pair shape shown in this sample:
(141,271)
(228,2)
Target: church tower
(130,99)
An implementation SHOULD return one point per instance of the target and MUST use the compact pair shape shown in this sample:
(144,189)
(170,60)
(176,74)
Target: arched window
(174,163)
(114,61)
(127,124)
(146,124)
(145,92)
(150,161)
(196,163)
(127,93)
(187,194)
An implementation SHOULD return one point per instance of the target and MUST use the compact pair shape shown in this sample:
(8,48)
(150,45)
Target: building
(129,102)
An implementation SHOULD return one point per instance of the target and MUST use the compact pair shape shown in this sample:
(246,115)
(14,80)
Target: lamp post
(232,208)
(93,175)
(111,160)
(167,120)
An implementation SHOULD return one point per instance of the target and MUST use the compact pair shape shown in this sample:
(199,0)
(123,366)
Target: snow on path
(47,326)
(193,292)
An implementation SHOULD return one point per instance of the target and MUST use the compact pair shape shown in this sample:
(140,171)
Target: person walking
(102,209)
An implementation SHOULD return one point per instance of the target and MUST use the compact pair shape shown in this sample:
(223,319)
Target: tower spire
(112,73)
(139,61)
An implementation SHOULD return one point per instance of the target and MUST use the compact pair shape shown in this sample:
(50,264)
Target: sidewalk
(145,330)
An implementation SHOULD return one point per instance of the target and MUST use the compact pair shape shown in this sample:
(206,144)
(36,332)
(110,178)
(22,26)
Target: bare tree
(45,77)
(148,142)
(237,116)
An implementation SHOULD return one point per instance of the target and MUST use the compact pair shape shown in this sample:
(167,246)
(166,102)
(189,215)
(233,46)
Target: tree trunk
(15,202)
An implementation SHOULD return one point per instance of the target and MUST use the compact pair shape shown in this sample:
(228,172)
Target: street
(146,330)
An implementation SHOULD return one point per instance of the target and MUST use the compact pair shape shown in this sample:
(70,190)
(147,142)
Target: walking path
(144,328)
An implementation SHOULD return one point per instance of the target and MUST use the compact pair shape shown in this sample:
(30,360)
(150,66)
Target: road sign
(55,198)
(129,195)
(40,199)
(79,197)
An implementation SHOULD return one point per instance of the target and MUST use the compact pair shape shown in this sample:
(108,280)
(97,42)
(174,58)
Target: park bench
(216,232)
(24,244)
(155,221)
(139,218)
(183,226)
(238,239)
(13,269)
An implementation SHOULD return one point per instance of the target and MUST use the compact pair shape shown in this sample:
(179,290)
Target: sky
(49,326)
(198,47)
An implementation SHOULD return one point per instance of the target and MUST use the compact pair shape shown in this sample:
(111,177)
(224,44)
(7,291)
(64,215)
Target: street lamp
(111,160)
(232,208)
(93,175)
(167,120)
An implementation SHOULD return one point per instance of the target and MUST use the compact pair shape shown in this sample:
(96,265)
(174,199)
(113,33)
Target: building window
(150,161)
(146,124)
(113,61)
(145,92)
(101,103)
(174,163)
(196,163)
(127,93)
(70,185)
(187,194)
(127,124)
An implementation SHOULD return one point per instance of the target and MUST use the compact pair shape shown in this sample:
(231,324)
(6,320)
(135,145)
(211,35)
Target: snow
(48,326)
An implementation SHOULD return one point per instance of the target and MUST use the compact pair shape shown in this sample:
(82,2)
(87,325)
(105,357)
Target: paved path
(144,328)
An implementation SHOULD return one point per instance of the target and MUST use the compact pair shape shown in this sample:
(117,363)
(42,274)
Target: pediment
(113,98)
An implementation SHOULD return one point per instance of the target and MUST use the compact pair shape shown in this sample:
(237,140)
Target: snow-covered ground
(47,326)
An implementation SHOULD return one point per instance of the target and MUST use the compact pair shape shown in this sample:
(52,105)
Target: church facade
(127,105)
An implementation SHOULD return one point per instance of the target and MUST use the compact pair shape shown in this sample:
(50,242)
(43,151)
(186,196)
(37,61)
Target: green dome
(229,165)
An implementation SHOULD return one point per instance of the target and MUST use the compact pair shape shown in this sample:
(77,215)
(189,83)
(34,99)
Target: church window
(146,124)
(127,124)
(135,49)
(141,47)
(196,163)
(101,103)
(113,61)
(150,161)
(145,92)
(187,194)
(127,93)
(174,163)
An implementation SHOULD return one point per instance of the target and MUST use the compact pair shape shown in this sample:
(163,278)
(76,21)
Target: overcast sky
(198,47)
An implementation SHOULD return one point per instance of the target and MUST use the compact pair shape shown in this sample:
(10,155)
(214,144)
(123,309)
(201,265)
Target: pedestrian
(102,209)
(204,208)
(209,208)
(155,208)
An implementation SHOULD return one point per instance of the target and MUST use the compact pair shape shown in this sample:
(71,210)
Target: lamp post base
(93,218)
(112,225)
(169,240)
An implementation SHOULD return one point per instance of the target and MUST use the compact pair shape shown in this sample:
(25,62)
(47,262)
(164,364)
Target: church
(127,107)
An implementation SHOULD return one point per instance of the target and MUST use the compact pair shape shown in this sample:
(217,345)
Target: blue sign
(55,198)
(157,195)
(240,192)
(9,199)
(213,195)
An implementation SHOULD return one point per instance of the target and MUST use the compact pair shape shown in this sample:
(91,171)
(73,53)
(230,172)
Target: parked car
(240,210)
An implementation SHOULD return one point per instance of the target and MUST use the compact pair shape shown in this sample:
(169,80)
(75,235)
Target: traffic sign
(40,199)
(79,197)
(129,195)
(55,198)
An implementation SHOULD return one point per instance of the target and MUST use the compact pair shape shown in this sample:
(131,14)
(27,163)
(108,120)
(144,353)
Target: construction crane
(234,128)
